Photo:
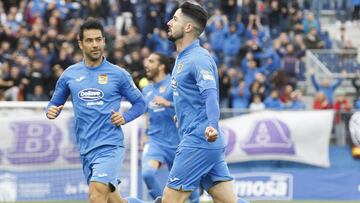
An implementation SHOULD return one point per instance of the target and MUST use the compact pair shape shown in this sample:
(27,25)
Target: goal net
(39,160)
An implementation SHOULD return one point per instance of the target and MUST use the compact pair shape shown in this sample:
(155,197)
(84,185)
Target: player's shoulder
(69,71)
(201,57)
(117,69)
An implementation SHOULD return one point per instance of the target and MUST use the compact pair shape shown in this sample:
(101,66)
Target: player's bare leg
(175,196)
(98,192)
(115,197)
(223,192)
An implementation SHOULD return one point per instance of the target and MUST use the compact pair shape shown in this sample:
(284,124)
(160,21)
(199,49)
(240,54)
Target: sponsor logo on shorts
(100,175)
(264,186)
(174,179)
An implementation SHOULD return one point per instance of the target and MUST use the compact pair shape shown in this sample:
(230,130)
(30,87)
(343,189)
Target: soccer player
(199,159)
(162,136)
(96,88)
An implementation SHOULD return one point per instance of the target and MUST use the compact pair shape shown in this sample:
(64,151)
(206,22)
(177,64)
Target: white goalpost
(39,160)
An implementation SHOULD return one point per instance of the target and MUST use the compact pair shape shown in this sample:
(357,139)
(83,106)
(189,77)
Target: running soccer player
(162,136)
(199,159)
(96,88)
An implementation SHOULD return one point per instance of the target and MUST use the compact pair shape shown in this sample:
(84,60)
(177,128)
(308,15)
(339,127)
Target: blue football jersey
(162,129)
(194,72)
(95,92)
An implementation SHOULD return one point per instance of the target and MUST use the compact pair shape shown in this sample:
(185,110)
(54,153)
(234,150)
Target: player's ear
(80,44)
(188,27)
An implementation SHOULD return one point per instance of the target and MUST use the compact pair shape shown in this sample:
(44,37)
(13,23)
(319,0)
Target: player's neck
(91,63)
(184,42)
(159,77)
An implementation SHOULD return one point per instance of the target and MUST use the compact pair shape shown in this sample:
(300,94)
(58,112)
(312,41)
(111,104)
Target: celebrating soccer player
(199,159)
(96,88)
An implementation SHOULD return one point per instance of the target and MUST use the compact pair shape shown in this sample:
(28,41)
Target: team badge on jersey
(102,79)
(179,67)
(207,75)
(162,89)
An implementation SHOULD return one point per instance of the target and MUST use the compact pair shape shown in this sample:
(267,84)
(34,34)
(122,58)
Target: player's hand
(53,111)
(211,134)
(117,119)
(161,101)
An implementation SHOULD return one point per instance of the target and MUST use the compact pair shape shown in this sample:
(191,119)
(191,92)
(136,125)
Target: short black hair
(196,13)
(90,23)
(163,59)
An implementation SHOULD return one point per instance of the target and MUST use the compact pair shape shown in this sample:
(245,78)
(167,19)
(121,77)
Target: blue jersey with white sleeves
(95,92)
(162,129)
(194,72)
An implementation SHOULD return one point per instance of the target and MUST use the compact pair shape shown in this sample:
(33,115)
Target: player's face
(93,44)
(176,26)
(152,66)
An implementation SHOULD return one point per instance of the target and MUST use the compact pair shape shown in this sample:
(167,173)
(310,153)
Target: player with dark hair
(162,136)
(96,88)
(199,160)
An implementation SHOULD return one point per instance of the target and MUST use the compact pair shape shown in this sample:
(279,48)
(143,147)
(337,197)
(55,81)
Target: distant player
(96,88)
(199,159)
(162,135)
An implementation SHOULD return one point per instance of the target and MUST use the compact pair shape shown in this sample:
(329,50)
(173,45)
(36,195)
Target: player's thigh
(218,173)
(106,166)
(190,165)
(223,192)
(174,196)
(152,157)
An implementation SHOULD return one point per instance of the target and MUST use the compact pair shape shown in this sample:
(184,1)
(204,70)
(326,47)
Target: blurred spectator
(256,103)
(310,22)
(240,96)
(38,94)
(224,86)
(312,40)
(342,106)
(11,83)
(325,86)
(126,17)
(290,63)
(296,101)
(273,101)
(320,101)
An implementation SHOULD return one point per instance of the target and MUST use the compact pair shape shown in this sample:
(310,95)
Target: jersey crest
(103,79)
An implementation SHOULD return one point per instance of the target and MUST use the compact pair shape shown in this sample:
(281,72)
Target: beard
(174,38)
(96,57)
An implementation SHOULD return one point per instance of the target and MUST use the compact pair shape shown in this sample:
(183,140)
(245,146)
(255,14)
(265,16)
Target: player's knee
(97,194)
(97,197)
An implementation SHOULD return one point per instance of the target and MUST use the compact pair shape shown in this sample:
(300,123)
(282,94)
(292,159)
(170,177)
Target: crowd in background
(259,47)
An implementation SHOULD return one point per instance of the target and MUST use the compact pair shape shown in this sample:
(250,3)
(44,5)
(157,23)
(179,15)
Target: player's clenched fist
(211,134)
(53,111)
(116,118)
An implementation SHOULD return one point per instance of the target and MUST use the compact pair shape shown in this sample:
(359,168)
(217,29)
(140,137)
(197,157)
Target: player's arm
(206,82)
(58,99)
(159,100)
(212,112)
(134,96)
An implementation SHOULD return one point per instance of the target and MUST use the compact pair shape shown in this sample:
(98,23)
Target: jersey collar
(194,44)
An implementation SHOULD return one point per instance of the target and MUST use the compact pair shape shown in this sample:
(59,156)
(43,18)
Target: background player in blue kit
(199,159)
(162,135)
(96,88)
